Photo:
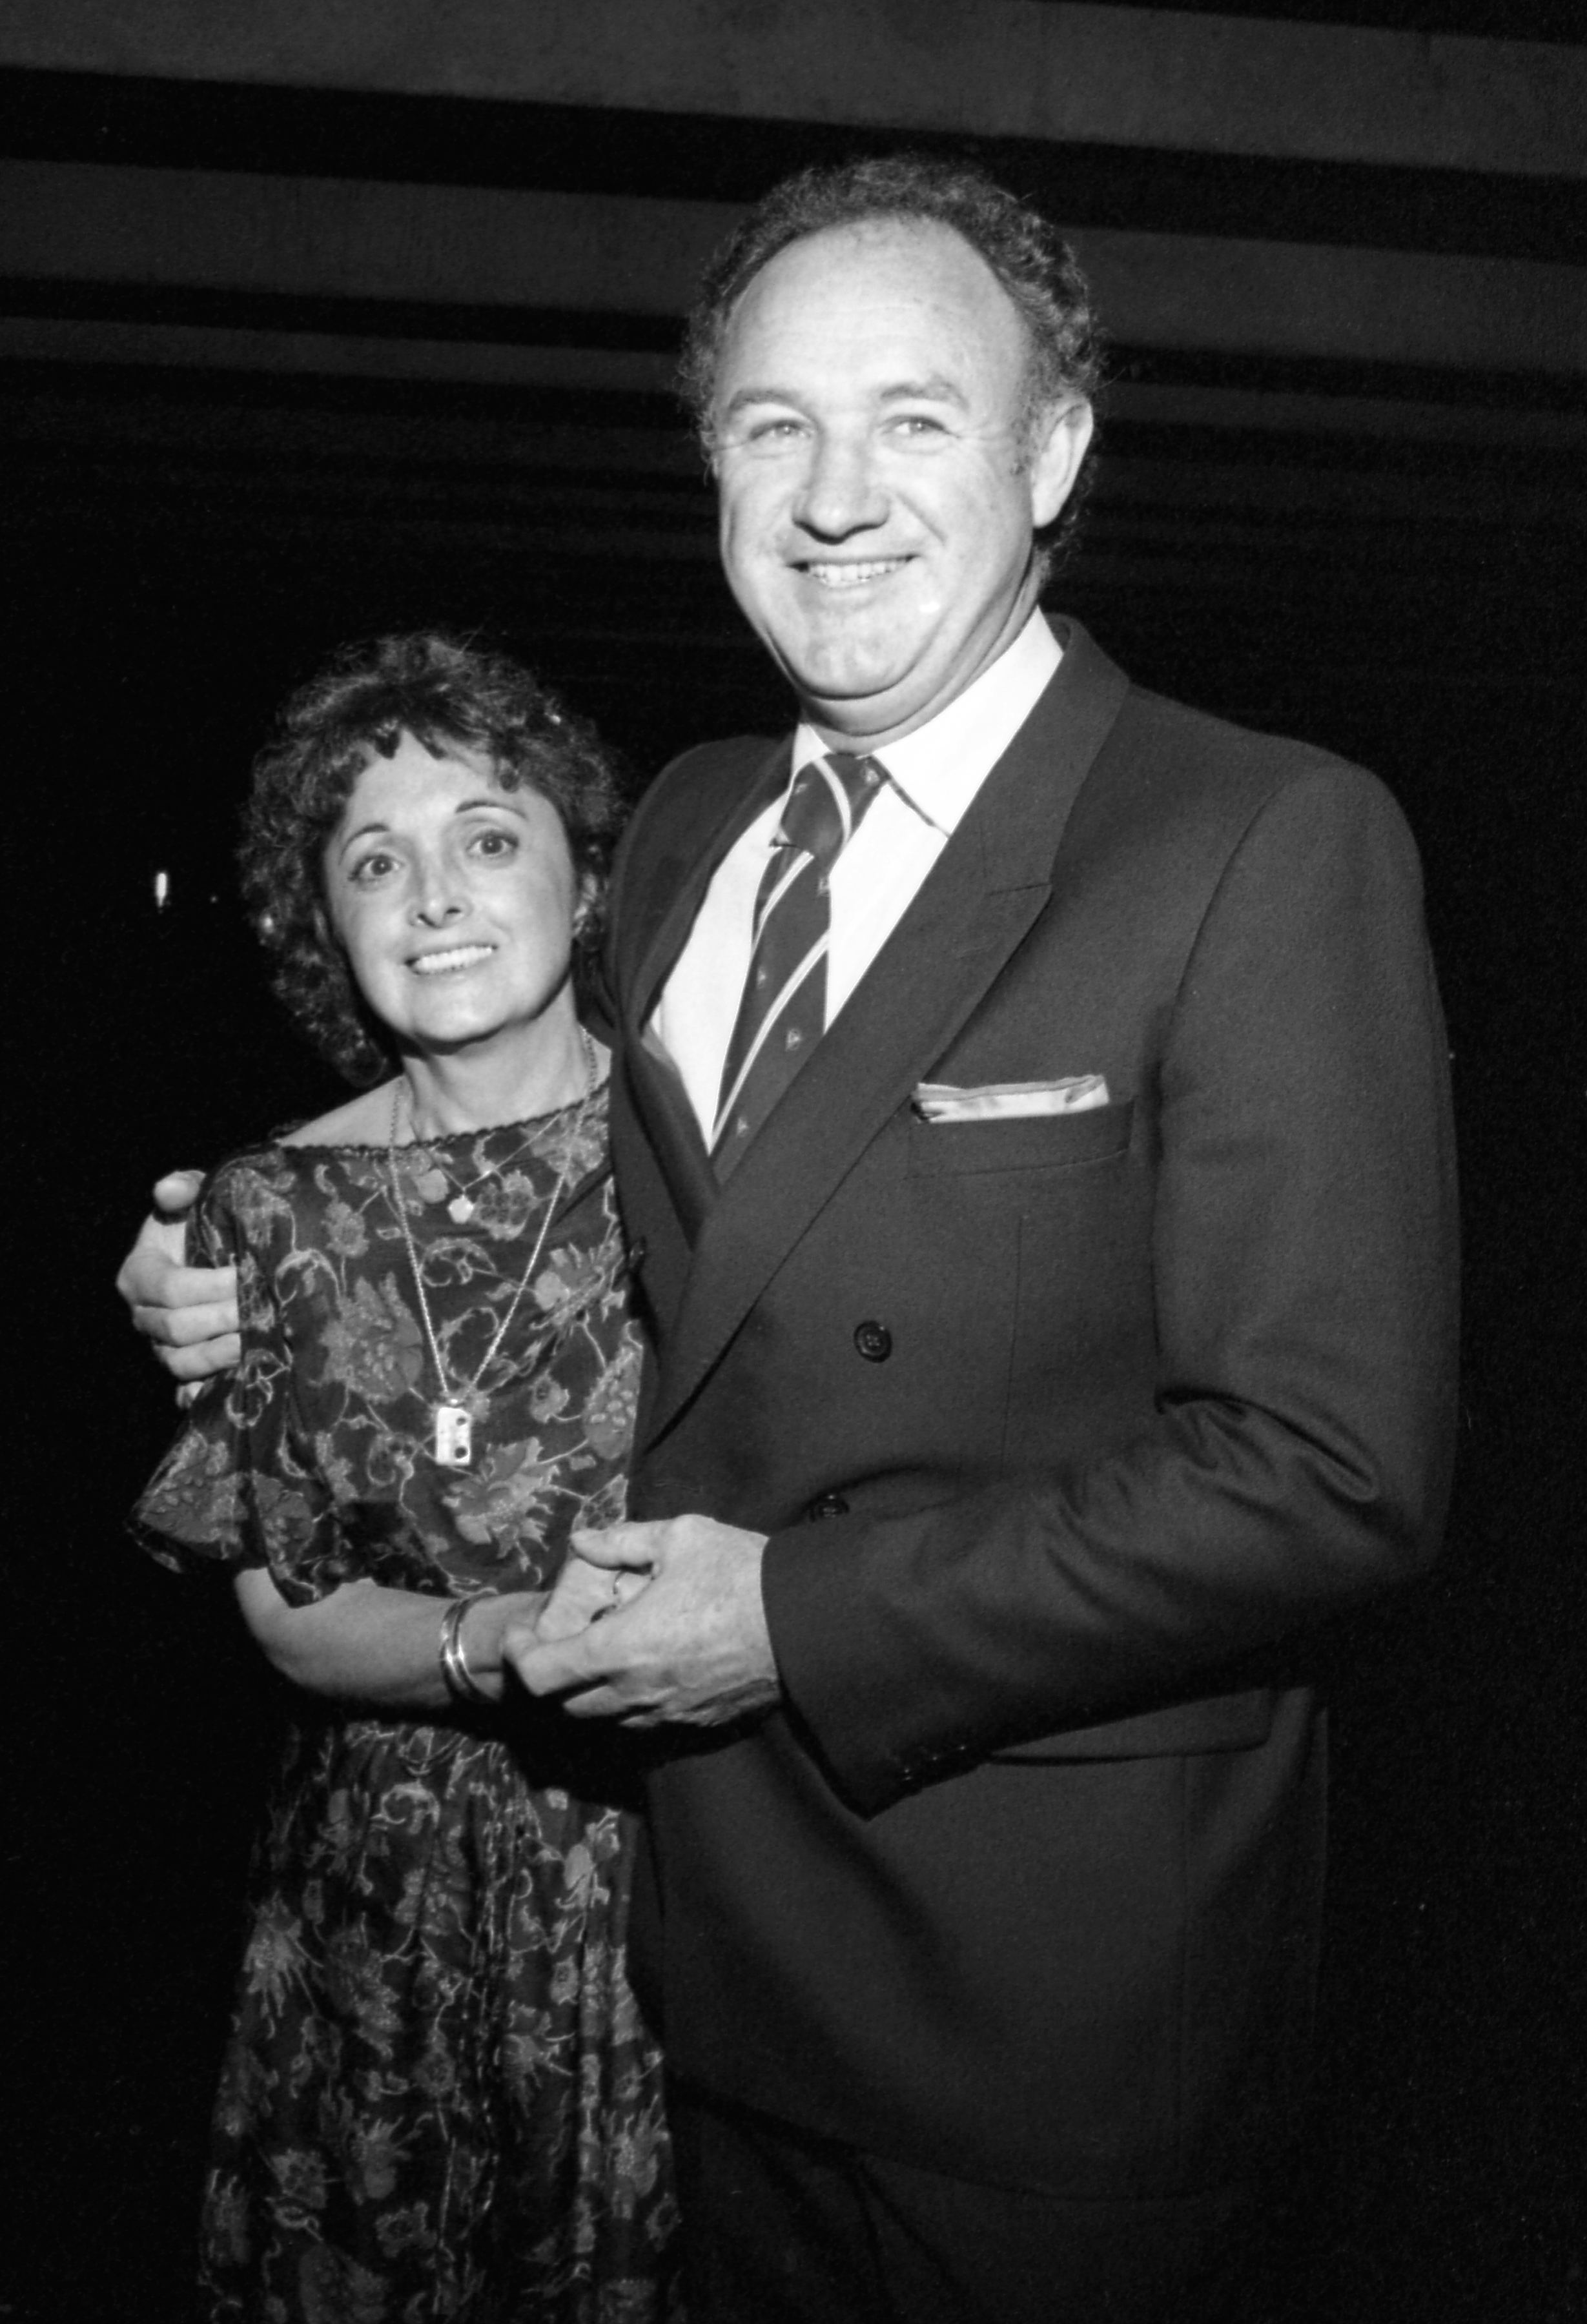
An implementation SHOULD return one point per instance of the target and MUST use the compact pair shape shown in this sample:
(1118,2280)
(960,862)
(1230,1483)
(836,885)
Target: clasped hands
(648,1624)
(654,1624)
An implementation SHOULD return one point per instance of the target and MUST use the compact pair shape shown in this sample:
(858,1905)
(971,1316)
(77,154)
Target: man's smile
(831,574)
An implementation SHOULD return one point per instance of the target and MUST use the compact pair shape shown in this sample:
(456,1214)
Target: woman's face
(452,898)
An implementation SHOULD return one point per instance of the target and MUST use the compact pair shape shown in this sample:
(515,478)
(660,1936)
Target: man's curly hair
(1024,250)
(445,693)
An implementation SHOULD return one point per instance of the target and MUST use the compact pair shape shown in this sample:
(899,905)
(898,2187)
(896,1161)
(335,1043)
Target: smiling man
(1048,1247)
(1031,1126)
(883,470)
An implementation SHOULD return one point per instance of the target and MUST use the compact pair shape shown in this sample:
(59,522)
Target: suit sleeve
(1304,1278)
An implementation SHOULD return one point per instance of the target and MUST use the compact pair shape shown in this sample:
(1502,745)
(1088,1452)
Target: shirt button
(827,1505)
(874,1341)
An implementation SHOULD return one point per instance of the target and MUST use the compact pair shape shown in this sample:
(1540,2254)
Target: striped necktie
(783,1012)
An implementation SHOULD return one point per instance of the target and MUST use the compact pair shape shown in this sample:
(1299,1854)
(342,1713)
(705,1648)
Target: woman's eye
(495,842)
(369,869)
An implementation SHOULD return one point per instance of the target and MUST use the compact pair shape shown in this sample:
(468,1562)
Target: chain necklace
(463,1204)
(454,1415)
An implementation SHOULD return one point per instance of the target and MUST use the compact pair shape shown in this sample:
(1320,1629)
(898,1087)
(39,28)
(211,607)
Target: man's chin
(854,693)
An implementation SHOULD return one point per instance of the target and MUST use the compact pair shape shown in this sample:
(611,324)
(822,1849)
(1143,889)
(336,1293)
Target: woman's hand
(485,1625)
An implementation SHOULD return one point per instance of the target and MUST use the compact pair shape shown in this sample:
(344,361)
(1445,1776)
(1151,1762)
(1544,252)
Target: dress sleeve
(238,1487)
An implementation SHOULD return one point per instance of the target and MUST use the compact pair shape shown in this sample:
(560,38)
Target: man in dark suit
(1031,1124)
(1034,1364)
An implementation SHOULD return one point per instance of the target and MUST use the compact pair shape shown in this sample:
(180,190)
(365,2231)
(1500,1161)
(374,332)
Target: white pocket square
(1009,1101)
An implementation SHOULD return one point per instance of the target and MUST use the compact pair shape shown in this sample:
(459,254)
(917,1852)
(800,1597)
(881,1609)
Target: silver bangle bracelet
(460,1681)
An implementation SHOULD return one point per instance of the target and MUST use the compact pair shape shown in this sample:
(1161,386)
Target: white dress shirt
(933,774)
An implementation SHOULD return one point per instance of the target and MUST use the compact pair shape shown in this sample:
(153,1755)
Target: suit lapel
(677,880)
(972,911)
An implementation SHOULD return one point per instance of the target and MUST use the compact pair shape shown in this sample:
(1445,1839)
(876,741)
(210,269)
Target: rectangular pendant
(453,1436)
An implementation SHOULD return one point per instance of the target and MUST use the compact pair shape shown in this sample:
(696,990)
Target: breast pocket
(1050,1141)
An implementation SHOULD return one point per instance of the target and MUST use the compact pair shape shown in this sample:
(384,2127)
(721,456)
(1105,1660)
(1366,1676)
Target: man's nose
(841,493)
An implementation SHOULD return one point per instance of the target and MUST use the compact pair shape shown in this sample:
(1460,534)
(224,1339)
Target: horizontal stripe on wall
(1162,78)
(450,247)
(631,358)
(1478,20)
(1184,451)
(682,157)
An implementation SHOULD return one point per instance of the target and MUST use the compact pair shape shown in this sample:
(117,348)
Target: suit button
(826,1504)
(874,1341)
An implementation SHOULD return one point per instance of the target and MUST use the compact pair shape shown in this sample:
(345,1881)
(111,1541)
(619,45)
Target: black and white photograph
(799,1045)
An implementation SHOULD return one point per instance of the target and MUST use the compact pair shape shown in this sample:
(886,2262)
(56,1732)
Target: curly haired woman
(438,2100)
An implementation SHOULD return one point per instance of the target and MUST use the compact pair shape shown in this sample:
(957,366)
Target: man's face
(878,488)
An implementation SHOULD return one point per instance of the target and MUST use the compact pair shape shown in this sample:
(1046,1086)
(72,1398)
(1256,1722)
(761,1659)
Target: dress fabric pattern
(438,2100)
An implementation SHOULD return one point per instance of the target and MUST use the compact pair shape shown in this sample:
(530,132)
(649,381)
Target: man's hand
(689,1647)
(583,1593)
(190,1313)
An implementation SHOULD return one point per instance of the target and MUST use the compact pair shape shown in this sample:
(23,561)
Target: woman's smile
(451,963)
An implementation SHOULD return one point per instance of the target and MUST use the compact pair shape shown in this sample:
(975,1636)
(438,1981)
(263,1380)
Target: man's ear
(1058,446)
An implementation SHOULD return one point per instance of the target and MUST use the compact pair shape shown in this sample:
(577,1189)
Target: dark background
(182,547)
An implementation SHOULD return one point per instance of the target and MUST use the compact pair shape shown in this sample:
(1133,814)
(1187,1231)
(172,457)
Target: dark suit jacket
(1095,1415)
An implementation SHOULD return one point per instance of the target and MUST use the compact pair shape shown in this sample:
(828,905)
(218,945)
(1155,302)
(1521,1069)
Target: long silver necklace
(454,1415)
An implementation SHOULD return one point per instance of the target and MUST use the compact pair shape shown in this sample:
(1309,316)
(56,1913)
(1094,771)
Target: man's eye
(915,423)
(773,431)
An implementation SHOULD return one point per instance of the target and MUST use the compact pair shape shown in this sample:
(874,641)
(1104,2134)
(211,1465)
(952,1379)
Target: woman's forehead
(433,767)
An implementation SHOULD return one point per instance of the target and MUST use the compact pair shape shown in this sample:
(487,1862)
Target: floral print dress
(437,2100)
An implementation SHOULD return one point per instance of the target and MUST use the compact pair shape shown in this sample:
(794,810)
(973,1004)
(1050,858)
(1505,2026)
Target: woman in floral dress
(438,2100)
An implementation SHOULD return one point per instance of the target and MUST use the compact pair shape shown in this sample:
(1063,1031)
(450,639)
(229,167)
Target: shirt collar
(940,768)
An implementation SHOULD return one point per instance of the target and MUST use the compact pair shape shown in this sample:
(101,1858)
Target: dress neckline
(593,1100)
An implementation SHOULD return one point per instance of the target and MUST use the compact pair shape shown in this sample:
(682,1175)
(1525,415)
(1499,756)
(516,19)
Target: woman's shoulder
(273,1199)
(264,1163)
(243,1205)
(277,1187)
